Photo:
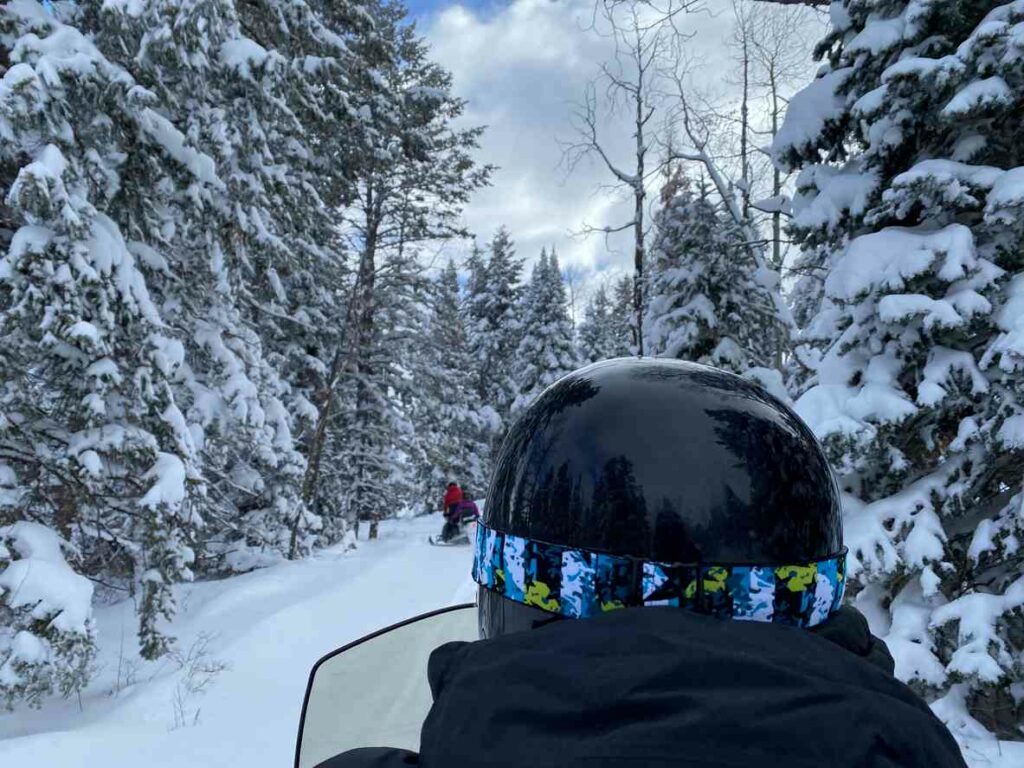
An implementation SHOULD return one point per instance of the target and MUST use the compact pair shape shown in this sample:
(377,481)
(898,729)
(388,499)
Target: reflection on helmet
(665,463)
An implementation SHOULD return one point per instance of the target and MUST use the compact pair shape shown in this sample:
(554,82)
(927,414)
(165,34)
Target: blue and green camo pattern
(578,583)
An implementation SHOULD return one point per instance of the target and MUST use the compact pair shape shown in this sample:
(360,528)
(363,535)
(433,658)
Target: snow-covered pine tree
(46,628)
(8,172)
(417,175)
(704,301)
(474,306)
(248,263)
(624,312)
(546,352)
(367,436)
(348,111)
(495,327)
(448,413)
(306,58)
(297,135)
(602,335)
(911,206)
(405,295)
(478,339)
(173,286)
(476,280)
(93,443)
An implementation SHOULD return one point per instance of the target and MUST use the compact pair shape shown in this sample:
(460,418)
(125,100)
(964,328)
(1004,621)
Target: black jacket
(661,687)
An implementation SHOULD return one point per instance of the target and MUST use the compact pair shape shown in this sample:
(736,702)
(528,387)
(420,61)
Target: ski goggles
(578,583)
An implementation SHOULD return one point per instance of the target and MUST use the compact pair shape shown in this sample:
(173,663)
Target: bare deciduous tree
(575,278)
(643,33)
(647,40)
(778,46)
(742,40)
(690,140)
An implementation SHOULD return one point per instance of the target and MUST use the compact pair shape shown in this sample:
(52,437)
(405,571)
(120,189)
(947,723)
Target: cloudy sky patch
(522,66)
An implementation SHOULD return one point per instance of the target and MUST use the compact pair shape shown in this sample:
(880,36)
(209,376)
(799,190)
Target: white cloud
(520,68)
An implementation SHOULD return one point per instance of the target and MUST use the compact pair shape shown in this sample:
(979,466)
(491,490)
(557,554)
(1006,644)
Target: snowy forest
(242,318)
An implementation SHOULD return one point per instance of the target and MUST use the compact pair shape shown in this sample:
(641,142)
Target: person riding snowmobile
(661,577)
(450,509)
(452,496)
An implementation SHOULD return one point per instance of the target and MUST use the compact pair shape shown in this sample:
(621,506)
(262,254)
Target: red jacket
(452,496)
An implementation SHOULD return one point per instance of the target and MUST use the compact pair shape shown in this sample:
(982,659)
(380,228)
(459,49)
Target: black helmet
(658,482)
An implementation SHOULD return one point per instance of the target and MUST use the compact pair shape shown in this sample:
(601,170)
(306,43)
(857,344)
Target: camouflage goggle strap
(578,583)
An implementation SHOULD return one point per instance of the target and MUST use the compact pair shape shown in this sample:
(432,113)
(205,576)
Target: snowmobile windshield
(374,692)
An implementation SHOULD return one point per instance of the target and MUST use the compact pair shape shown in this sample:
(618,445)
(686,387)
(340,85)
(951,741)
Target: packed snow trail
(269,627)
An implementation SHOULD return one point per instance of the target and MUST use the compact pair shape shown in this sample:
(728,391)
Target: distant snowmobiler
(460,514)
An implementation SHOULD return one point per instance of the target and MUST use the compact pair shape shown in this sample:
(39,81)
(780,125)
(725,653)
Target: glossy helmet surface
(660,460)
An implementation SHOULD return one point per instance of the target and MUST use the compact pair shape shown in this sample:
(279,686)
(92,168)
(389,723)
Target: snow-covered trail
(269,627)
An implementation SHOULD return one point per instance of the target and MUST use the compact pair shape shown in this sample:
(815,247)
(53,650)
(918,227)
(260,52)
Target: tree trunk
(364,366)
(638,274)
(776,177)
(639,195)
(325,407)
(66,511)
(781,344)
(745,123)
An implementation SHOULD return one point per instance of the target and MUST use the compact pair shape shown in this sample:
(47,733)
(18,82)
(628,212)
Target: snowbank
(41,579)
(265,629)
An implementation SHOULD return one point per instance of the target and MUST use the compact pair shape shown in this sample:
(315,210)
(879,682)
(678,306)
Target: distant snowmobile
(460,525)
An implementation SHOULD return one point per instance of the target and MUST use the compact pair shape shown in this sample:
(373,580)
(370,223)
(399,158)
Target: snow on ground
(988,752)
(268,627)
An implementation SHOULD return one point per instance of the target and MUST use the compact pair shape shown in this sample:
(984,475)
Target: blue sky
(423,8)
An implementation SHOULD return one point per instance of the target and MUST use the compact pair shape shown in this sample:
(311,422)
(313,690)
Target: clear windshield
(375,693)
